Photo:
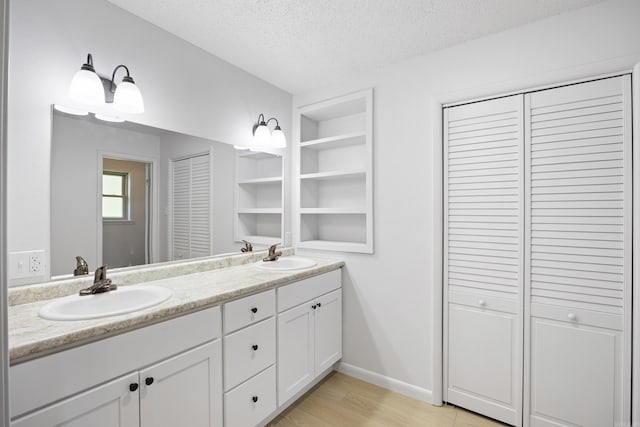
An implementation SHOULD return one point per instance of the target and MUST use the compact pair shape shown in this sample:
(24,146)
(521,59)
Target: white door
(191,207)
(328,330)
(114,404)
(295,350)
(183,390)
(483,271)
(578,281)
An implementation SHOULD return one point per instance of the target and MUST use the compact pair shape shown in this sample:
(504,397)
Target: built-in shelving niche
(333,174)
(258,197)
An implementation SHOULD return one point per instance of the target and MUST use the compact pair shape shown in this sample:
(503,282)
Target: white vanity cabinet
(108,405)
(163,395)
(162,375)
(249,359)
(309,331)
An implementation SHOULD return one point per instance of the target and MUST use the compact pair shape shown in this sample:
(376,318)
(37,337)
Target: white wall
(185,90)
(74,183)
(389,296)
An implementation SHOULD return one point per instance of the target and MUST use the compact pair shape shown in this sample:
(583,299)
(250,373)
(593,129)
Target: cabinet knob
(254,310)
(571,316)
(254,347)
(482,303)
(319,304)
(255,399)
(148,380)
(314,306)
(133,386)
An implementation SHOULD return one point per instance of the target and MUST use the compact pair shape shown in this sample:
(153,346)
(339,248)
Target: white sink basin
(286,263)
(120,301)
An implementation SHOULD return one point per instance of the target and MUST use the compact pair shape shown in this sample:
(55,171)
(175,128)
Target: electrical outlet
(35,264)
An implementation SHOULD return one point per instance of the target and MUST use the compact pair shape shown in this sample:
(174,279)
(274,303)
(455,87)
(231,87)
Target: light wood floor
(344,401)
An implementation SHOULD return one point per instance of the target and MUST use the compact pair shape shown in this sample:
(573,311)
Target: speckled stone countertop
(31,336)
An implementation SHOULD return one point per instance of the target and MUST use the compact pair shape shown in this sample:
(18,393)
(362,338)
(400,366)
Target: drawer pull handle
(255,399)
(133,386)
(571,316)
(482,303)
(148,380)
(254,347)
(254,310)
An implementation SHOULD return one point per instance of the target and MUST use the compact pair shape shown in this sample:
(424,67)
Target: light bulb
(86,87)
(128,98)
(278,139)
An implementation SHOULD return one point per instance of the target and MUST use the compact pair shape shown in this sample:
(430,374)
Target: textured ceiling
(299,45)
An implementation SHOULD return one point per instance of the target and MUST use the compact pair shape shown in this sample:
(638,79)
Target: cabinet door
(295,351)
(575,375)
(109,405)
(328,330)
(484,369)
(184,389)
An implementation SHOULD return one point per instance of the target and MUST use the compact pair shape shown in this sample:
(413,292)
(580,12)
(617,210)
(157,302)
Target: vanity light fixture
(88,88)
(263,138)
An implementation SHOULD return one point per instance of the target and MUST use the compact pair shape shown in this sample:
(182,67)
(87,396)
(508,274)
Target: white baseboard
(386,382)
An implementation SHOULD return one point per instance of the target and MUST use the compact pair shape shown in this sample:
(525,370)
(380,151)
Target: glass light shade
(262,136)
(278,139)
(86,88)
(128,98)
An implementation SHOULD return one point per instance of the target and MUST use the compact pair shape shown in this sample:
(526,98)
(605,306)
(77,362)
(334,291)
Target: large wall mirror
(125,194)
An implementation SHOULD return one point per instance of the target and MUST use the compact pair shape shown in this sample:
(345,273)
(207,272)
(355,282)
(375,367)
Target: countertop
(31,336)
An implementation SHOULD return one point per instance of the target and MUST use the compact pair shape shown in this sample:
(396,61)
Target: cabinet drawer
(249,310)
(251,402)
(307,289)
(248,352)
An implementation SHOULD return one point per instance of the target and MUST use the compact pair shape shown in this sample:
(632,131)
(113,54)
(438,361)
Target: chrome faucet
(100,283)
(273,255)
(248,247)
(82,267)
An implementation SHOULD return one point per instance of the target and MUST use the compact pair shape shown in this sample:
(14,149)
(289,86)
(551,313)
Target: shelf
(268,180)
(341,174)
(332,174)
(338,141)
(260,211)
(332,211)
(335,246)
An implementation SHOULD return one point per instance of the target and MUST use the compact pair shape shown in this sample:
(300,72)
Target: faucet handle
(82,267)
(248,247)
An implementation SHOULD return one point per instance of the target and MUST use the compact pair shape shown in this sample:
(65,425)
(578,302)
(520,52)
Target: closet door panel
(574,374)
(578,253)
(483,256)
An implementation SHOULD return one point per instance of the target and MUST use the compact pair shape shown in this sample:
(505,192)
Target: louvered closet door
(483,182)
(578,281)
(191,212)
